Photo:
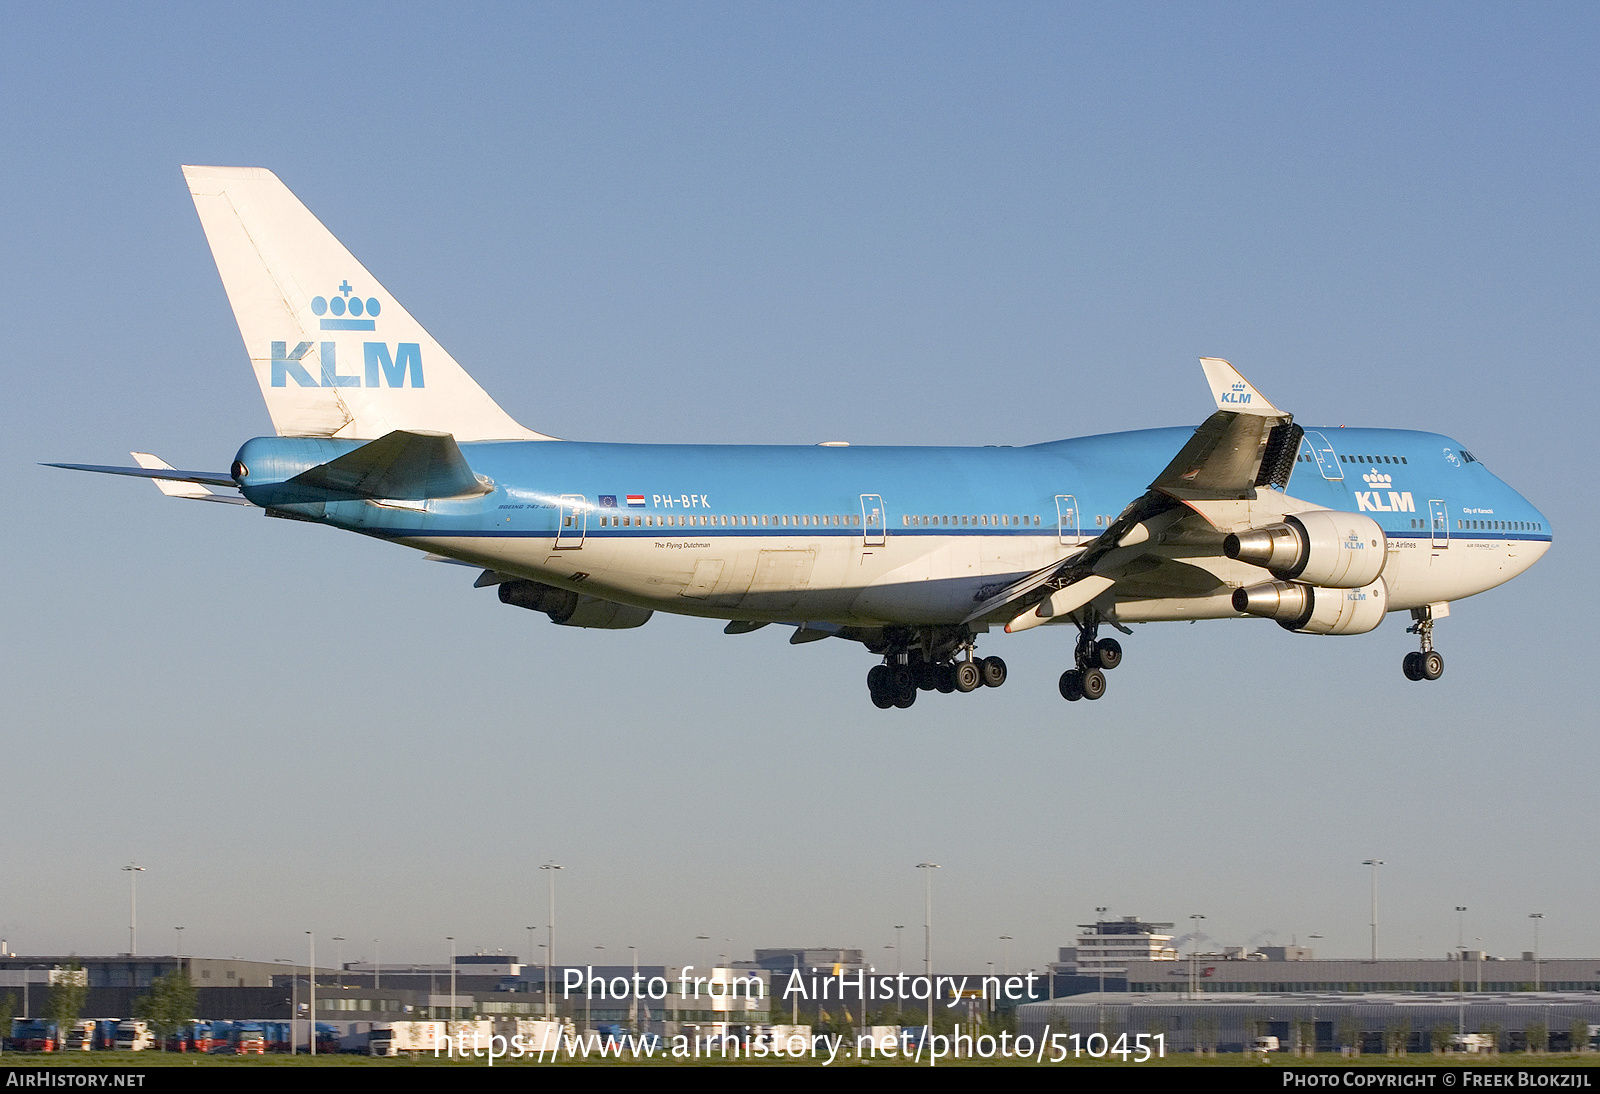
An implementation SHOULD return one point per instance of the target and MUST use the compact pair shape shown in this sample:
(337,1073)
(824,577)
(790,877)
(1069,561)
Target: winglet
(1233,392)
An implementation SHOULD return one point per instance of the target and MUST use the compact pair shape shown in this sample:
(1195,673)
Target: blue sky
(907,224)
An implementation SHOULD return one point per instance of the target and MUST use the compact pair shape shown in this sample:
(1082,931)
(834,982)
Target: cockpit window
(1468,457)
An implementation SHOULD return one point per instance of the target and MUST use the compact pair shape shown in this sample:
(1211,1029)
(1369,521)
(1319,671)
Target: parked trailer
(393,1038)
(538,1035)
(277,1034)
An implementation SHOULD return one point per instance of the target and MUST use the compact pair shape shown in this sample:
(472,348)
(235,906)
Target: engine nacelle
(1325,547)
(570,609)
(1311,610)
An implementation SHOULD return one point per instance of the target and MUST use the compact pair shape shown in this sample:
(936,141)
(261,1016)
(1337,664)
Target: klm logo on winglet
(343,303)
(1237,394)
(1371,501)
(381,368)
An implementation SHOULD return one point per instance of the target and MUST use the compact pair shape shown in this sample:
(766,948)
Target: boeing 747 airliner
(912,552)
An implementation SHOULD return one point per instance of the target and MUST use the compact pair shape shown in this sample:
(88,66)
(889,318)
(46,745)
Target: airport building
(1370,1023)
(490,986)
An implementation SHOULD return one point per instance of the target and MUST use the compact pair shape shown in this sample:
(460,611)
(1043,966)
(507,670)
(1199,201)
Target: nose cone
(1529,544)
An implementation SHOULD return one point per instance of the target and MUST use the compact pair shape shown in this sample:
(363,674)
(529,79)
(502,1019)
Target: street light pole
(1100,957)
(1538,980)
(927,939)
(133,907)
(633,994)
(550,943)
(1194,958)
(898,927)
(450,938)
(1374,863)
(311,981)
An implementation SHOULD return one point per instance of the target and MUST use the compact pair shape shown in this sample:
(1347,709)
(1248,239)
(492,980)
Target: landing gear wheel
(1093,684)
(927,676)
(1412,665)
(967,676)
(880,685)
(1072,685)
(945,678)
(906,698)
(1432,665)
(993,671)
(1108,651)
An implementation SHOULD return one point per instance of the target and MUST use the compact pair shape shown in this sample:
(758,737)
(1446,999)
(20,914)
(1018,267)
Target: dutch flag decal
(635,501)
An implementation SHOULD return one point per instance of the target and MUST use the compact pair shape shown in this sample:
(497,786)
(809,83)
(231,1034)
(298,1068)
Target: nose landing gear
(1426,663)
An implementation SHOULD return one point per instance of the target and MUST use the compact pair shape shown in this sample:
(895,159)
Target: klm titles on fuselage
(1371,501)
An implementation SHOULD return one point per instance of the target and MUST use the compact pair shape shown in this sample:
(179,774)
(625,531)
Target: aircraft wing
(1245,444)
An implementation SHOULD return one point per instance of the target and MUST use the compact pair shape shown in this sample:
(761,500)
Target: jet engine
(570,609)
(1325,547)
(1311,610)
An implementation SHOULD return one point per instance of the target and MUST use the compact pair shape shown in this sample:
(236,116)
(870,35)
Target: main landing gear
(1426,663)
(1093,658)
(895,683)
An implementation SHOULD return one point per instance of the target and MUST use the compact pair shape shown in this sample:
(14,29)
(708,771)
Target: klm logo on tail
(343,303)
(1237,394)
(382,369)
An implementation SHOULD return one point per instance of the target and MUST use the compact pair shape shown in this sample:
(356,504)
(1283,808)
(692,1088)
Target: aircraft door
(1439,519)
(1067,519)
(1327,459)
(573,521)
(872,520)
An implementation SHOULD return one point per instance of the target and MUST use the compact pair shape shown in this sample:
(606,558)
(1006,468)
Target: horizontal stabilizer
(194,491)
(404,465)
(168,474)
(168,479)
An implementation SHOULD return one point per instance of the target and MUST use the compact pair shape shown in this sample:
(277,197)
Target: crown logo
(1238,387)
(1377,478)
(343,303)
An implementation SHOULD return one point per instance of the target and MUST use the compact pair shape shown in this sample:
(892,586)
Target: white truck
(134,1036)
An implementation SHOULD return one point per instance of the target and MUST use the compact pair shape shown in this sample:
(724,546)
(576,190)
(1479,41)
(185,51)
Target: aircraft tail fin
(334,353)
